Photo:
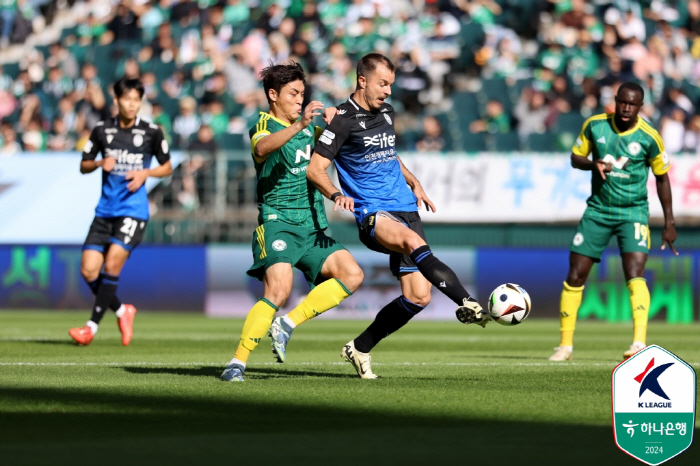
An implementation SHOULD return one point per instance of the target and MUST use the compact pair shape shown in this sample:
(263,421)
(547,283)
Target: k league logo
(653,404)
(650,381)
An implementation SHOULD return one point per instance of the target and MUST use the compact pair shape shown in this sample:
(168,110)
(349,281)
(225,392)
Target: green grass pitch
(449,395)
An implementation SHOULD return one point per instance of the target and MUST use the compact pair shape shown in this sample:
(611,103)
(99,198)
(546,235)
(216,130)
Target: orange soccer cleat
(82,335)
(126,324)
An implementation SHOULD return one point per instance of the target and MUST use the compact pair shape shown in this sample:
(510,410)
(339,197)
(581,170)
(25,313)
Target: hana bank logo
(649,381)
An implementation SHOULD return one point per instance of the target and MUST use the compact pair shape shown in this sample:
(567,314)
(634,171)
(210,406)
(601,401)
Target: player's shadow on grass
(53,341)
(269,372)
(215,371)
(204,371)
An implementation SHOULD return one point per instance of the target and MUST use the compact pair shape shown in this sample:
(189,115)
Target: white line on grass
(170,364)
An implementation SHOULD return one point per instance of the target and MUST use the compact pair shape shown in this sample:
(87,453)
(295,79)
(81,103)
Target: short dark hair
(369,62)
(632,86)
(126,84)
(277,76)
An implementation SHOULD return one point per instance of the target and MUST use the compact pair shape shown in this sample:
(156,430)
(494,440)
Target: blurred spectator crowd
(472,75)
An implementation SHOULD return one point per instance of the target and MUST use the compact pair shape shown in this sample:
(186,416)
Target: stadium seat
(508,142)
(496,89)
(540,142)
(517,88)
(472,142)
(465,101)
(570,122)
(229,141)
(10,69)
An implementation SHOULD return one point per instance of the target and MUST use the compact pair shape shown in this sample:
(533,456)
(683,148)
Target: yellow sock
(568,308)
(325,296)
(256,325)
(640,300)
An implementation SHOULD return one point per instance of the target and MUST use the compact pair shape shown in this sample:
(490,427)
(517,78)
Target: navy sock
(392,317)
(95,285)
(105,294)
(439,274)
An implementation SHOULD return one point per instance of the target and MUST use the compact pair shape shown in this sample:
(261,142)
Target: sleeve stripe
(654,134)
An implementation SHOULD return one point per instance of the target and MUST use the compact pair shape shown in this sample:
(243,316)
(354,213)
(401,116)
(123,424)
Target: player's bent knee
(352,277)
(90,274)
(413,242)
(421,299)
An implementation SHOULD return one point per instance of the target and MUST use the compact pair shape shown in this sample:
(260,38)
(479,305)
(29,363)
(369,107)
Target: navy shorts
(398,263)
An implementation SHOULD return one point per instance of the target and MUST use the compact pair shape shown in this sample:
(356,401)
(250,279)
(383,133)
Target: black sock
(392,317)
(106,292)
(439,274)
(95,285)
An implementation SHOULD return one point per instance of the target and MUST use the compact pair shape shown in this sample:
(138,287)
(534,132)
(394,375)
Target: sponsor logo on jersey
(578,142)
(578,239)
(110,130)
(327,137)
(303,154)
(88,147)
(342,112)
(385,110)
(381,140)
(138,140)
(307,132)
(164,146)
(362,123)
(279,245)
(387,118)
(110,138)
(138,131)
(601,140)
(634,148)
(620,163)
(360,115)
(125,160)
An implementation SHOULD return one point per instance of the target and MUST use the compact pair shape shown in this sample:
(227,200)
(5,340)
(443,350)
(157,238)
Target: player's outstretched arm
(317,174)
(274,141)
(417,188)
(669,235)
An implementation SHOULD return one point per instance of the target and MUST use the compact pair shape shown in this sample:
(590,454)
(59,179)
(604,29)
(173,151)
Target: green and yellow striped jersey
(284,194)
(623,194)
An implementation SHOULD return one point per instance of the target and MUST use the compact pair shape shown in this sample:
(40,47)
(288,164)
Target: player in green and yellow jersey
(622,147)
(291,219)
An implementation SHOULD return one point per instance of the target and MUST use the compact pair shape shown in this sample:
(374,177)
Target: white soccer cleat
(562,353)
(361,361)
(635,347)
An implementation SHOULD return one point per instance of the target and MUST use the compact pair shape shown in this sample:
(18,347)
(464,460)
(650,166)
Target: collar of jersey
(629,131)
(283,123)
(136,123)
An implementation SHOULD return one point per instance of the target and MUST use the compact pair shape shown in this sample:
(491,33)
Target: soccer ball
(509,304)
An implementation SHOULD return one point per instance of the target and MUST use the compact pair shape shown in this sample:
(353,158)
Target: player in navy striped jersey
(385,197)
(127,145)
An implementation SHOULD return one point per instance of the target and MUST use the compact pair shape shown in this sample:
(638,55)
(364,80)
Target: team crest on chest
(110,138)
(387,117)
(138,140)
(634,148)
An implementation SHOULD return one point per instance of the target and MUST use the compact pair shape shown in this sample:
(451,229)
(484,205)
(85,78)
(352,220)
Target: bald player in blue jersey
(385,197)
(127,144)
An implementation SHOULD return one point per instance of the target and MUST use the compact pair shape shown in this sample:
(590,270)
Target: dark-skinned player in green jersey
(622,147)
(291,221)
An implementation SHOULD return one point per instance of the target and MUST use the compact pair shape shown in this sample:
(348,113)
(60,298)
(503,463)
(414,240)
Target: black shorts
(127,232)
(398,263)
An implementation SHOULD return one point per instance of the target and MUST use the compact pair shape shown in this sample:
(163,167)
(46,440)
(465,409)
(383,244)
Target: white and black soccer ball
(509,304)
